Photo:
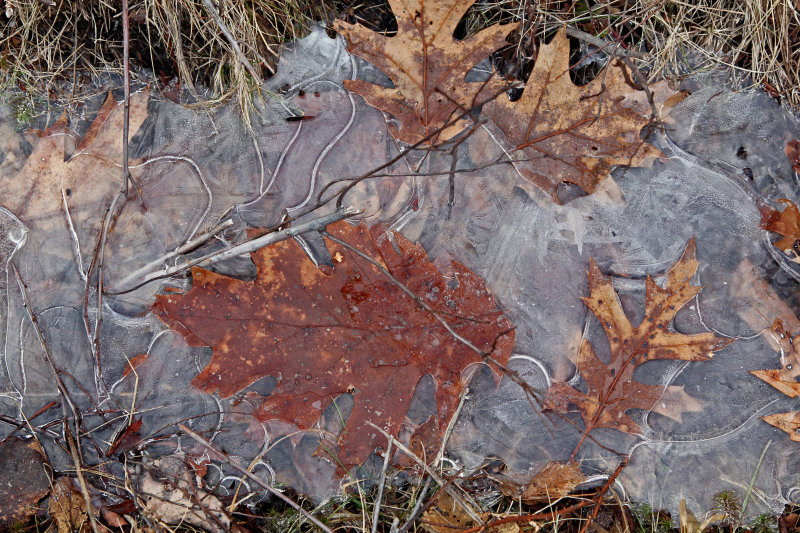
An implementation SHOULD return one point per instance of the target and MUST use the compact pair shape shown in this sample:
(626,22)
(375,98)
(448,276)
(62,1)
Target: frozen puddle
(197,168)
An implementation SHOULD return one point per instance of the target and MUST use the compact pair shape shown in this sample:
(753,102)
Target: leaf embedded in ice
(352,329)
(785,223)
(611,387)
(573,134)
(784,379)
(426,63)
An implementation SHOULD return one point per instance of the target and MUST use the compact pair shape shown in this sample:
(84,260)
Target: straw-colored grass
(43,44)
(758,39)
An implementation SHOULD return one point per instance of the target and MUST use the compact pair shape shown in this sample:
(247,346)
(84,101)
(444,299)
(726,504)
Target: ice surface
(197,167)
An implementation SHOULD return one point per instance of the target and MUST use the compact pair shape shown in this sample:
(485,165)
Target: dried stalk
(221,456)
(317,224)
(74,445)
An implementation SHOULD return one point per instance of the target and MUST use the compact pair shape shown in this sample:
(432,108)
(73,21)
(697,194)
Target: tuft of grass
(728,504)
(46,48)
(648,520)
(764,523)
(759,40)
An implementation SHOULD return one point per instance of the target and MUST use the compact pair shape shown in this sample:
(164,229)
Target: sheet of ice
(199,166)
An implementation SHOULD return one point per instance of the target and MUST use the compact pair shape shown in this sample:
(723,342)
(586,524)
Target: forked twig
(74,446)
(318,224)
(458,498)
(221,456)
(233,42)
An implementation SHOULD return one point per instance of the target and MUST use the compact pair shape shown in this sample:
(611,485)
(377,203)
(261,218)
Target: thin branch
(458,498)
(186,248)
(602,44)
(74,446)
(418,508)
(233,42)
(377,510)
(221,456)
(317,224)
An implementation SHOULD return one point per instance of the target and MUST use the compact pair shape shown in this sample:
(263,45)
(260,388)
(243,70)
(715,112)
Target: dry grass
(42,45)
(758,39)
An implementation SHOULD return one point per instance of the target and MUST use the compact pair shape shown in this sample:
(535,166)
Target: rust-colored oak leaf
(784,379)
(611,387)
(573,134)
(350,330)
(785,223)
(426,63)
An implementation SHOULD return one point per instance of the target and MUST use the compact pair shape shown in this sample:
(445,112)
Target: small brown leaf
(784,379)
(788,422)
(426,63)
(113,519)
(67,507)
(446,516)
(674,401)
(793,153)
(127,439)
(785,223)
(612,391)
(25,480)
(554,481)
(573,134)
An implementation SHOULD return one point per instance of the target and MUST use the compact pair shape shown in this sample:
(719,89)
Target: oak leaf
(61,195)
(785,223)
(573,134)
(785,379)
(426,63)
(612,391)
(352,329)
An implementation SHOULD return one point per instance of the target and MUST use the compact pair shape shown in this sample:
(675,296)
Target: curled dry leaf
(67,507)
(446,516)
(426,63)
(785,223)
(573,134)
(554,481)
(611,387)
(324,333)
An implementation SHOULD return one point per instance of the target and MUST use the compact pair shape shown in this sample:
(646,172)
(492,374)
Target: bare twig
(317,224)
(186,248)
(602,44)
(233,42)
(126,74)
(457,497)
(417,508)
(602,493)
(377,510)
(74,446)
(220,456)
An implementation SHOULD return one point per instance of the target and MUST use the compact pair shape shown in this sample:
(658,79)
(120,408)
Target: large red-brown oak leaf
(612,391)
(323,334)
(572,134)
(426,63)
